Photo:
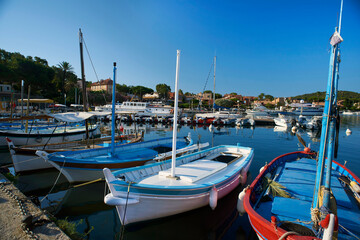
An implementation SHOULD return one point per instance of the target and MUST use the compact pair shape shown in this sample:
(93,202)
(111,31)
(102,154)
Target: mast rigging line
(92,65)
(207,79)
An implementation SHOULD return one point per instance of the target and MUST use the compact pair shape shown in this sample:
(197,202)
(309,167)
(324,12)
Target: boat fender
(240,203)
(243,175)
(307,150)
(213,198)
(355,186)
(263,167)
(330,224)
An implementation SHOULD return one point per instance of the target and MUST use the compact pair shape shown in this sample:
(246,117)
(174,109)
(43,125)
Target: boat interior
(298,178)
(189,170)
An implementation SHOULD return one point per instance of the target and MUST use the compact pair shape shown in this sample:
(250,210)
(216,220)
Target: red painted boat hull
(263,227)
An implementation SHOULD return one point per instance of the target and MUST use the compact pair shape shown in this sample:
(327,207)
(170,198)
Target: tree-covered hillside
(320,96)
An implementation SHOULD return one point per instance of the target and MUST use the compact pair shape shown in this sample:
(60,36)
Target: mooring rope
(50,137)
(57,179)
(123,224)
(352,234)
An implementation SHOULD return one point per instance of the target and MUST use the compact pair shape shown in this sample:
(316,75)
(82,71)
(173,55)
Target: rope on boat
(57,179)
(89,182)
(123,225)
(287,234)
(12,164)
(352,234)
(50,137)
(27,140)
(315,216)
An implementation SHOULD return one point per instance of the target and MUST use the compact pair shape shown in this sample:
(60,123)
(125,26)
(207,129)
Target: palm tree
(65,70)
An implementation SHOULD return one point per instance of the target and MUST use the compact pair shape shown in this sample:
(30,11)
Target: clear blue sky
(278,47)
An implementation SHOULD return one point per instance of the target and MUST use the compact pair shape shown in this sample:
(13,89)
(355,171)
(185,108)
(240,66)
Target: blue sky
(276,47)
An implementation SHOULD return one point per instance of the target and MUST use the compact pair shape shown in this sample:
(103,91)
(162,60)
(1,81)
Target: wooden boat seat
(195,171)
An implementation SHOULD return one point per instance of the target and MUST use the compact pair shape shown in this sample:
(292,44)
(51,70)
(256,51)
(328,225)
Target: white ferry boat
(139,108)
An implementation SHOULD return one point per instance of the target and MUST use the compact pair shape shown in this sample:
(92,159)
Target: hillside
(320,96)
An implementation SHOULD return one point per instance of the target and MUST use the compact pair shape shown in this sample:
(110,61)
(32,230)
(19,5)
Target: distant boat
(258,111)
(138,108)
(349,113)
(182,184)
(307,110)
(48,135)
(304,194)
(284,122)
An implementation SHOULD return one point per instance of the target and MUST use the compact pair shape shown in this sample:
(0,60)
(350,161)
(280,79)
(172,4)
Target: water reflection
(86,202)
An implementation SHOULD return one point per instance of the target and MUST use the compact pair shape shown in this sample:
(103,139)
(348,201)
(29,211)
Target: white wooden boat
(147,192)
(185,183)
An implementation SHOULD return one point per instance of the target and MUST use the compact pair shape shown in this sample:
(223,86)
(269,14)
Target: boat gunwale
(257,221)
(229,175)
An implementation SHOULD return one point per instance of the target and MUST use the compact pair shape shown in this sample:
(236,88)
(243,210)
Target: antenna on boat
(173,162)
(214,83)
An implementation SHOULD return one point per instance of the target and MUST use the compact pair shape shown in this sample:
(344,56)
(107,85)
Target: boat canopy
(77,116)
(34,100)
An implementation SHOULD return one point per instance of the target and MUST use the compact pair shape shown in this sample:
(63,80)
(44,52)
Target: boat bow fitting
(118,201)
(44,155)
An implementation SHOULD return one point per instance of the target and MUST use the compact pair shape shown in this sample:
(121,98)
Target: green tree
(224,103)
(140,91)
(122,88)
(269,97)
(261,96)
(163,90)
(64,72)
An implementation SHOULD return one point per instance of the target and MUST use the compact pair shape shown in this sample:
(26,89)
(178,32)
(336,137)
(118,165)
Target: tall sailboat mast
(214,84)
(173,163)
(113,113)
(327,142)
(83,82)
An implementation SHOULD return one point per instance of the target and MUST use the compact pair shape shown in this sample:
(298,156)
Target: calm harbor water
(84,205)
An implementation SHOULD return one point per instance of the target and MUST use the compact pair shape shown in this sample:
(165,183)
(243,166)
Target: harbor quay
(20,218)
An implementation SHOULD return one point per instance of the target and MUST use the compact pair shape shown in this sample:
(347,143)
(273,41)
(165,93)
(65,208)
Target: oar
(301,140)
